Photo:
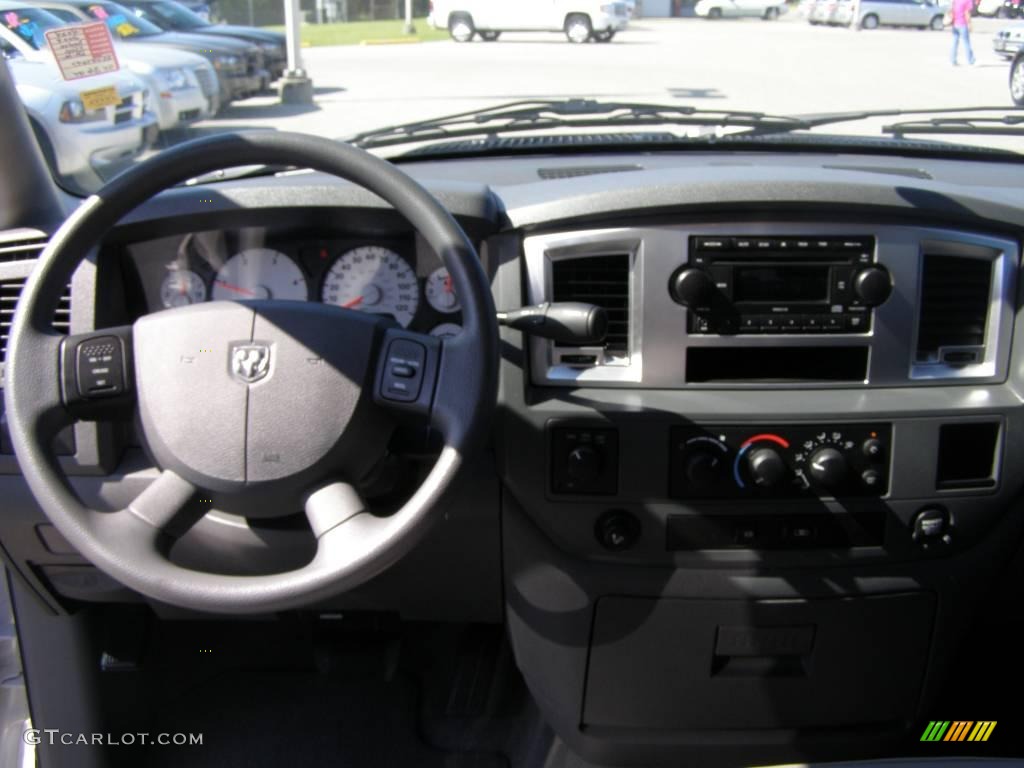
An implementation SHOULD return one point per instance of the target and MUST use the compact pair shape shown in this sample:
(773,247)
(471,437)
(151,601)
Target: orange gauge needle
(354,303)
(235,288)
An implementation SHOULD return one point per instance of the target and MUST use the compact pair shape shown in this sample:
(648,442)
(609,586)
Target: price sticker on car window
(98,98)
(83,50)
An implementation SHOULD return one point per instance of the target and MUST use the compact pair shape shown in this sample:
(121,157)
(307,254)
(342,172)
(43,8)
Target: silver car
(924,14)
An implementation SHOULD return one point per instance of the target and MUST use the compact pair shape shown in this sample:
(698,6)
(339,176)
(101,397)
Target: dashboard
(799,440)
(397,277)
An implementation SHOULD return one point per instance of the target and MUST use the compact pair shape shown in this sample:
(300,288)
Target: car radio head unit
(738,285)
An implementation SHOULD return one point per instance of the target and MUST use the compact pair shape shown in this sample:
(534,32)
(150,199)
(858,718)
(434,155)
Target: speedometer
(373,279)
(260,273)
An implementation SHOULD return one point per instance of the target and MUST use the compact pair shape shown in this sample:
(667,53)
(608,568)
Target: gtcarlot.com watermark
(53,736)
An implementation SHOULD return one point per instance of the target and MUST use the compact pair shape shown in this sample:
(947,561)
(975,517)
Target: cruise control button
(100,367)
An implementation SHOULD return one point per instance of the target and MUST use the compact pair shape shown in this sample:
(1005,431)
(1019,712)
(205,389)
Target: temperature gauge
(440,293)
(182,287)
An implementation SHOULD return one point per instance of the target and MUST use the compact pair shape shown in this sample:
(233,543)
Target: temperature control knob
(692,288)
(872,286)
(703,470)
(827,467)
(766,467)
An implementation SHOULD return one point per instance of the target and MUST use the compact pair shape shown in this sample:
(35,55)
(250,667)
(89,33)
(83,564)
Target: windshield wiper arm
(1005,125)
(831,118)
(571,113)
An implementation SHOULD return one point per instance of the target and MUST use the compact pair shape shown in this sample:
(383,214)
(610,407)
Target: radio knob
(872,286)
(703,470)
(692,288)
(827,467)
(766,467)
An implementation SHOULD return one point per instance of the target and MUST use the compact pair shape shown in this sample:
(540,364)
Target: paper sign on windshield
(83,50)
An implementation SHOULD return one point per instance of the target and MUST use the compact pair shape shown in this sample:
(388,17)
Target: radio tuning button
(766,467)
(872,286)
(692,287)
(827,467)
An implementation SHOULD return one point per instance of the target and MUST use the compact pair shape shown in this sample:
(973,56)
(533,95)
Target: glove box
(731,664)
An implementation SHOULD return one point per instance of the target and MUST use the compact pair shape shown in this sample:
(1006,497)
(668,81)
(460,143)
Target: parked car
(924,14)
(79,144)
(580,20)
(239,65)
(990,8)
(720,9)
(1017,79)
(174,79)
(1009,41)
(175,17)
(821,11)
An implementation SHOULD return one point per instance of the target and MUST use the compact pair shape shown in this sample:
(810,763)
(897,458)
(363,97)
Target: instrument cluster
(400,278)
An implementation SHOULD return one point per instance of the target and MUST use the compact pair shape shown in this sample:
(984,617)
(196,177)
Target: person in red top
(961,13)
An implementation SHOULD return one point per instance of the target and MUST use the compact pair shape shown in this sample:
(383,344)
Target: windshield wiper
(1005,125)
(570,113)
(832,118)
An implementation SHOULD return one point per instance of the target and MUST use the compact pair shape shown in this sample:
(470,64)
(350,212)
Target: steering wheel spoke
(96,375)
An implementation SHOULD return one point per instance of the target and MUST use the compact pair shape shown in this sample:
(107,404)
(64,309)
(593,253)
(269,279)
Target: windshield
(29,24)
(122,23)
(169,15)
(677,75)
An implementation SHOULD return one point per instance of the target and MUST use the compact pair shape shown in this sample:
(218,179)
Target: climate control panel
(782,461)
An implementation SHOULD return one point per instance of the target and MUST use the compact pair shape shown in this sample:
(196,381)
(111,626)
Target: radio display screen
(781,283)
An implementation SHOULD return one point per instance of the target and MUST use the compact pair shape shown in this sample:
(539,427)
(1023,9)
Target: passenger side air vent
(10,290)
(600,280)
(955,297)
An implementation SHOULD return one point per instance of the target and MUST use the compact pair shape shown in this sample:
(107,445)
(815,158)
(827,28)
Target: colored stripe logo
(958,730)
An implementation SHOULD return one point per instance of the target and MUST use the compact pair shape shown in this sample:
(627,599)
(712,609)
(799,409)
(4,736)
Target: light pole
(296,87)
(410,28)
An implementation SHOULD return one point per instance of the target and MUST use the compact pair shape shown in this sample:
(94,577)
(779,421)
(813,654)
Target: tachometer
(440,292)
(182,287)
(373,279)
(260,273)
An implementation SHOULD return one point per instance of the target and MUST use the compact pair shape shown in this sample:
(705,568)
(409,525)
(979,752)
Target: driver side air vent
(21,244)
(10,290)
(955,297)
(600,280)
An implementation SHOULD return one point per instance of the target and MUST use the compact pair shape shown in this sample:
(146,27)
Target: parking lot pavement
(787,67)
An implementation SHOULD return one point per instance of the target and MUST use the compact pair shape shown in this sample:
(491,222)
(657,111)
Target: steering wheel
(293,399)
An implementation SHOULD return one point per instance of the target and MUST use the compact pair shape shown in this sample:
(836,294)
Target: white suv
(580,20)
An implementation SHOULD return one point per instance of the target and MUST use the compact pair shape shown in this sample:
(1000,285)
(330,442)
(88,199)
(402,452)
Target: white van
(580,20)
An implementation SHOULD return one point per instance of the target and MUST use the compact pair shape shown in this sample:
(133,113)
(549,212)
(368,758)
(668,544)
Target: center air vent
(600,280)
(10,290)
(955,297)
(574,171)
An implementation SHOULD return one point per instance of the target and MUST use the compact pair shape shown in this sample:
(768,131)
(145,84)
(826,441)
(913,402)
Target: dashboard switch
(403,375)
(100,367)
(584,460)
